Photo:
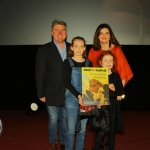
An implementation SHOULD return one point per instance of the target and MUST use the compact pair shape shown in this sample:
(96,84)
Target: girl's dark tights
(99,140)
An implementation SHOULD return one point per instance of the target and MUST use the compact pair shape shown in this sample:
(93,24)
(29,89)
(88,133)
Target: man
(50,83)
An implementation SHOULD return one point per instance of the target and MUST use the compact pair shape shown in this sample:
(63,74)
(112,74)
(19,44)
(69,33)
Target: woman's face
(104,36)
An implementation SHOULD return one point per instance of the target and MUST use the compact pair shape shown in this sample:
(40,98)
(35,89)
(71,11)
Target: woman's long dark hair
(96,42)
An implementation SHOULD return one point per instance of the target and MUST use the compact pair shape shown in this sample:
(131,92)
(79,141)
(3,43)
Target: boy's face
(107,62)
(95,88)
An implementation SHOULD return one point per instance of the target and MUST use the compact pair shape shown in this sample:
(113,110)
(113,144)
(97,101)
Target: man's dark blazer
(49,74)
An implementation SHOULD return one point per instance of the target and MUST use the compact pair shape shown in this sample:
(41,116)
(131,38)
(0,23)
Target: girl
(72,78)
(108,60)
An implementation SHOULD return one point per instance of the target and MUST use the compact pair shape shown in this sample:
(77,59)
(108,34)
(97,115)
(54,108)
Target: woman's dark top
(67,70)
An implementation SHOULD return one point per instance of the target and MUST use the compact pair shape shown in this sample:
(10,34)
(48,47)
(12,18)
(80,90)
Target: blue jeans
(56,113)
(72,106)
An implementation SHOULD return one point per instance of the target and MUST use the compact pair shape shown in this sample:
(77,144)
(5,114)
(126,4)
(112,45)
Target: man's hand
(43,99)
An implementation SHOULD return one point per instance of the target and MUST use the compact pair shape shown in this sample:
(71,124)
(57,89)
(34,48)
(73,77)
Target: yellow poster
(95,88)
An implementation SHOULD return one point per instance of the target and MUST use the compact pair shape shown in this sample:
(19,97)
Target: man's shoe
(53,146)
(62,147)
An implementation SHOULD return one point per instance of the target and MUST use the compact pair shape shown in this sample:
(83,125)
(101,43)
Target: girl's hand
(119,98)
(112,87)
(80,99)
(99,106)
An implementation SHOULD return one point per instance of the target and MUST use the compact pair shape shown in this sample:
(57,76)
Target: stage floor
(23,132)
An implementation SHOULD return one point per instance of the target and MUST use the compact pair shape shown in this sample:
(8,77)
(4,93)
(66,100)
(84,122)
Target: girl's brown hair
(99,59)
(71,53)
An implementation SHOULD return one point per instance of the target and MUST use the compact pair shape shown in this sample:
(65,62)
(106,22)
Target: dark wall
(17,88)
(17,82)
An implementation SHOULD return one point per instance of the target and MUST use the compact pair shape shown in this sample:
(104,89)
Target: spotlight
(33,110)
(34,106)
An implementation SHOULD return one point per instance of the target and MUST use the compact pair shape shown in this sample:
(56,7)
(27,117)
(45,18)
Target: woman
(104,40)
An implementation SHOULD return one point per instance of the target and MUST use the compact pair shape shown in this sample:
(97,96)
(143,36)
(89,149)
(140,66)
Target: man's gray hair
(60,22)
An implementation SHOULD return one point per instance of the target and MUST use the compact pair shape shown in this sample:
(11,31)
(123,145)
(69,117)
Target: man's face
(96,88)
(59,33)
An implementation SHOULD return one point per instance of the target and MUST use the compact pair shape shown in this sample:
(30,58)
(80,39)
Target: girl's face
(107,62)
(78,47)
(104,36)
